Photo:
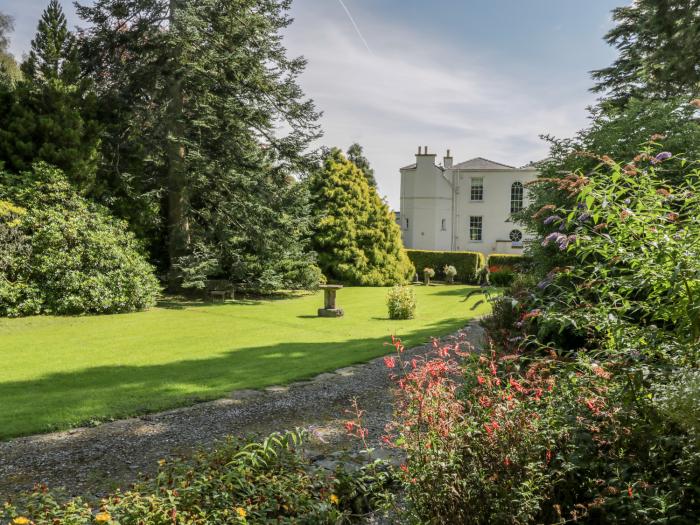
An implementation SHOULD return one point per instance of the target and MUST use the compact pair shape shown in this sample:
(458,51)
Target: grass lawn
(60,372)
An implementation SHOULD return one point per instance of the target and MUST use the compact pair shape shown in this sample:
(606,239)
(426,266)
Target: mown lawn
(62,372)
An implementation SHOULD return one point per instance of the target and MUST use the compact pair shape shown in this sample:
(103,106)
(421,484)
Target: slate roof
(409,167)
(480,164)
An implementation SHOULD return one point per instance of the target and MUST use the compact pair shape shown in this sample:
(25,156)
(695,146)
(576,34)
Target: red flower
(349,426)
(480,380)
(548,455)
(506,461)
(390,362)
(629,491)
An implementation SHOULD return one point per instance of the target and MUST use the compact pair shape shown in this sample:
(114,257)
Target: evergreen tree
(53,54)
(49,117)
(659,51)
(358,159)
(355,235)
(194,96)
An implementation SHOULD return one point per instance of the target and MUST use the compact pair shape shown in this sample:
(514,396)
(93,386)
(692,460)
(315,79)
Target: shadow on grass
(64,400)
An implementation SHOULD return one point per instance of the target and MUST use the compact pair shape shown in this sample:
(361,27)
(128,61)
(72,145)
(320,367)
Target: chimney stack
(447,161)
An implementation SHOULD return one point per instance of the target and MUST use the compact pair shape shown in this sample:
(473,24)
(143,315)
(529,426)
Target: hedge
(514,261)
(466,263)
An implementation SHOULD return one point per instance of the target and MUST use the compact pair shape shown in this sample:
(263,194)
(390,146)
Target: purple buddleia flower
(551,219)
(552,237)
(562,226)
(664,155)
(584,217)
(581,206)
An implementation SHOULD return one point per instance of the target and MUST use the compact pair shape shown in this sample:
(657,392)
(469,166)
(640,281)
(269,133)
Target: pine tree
(49,117)
(358,159)
(355,236)
(659,51)
(194,94)
(53,54)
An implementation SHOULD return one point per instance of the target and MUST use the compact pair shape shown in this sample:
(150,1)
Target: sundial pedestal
(330,309)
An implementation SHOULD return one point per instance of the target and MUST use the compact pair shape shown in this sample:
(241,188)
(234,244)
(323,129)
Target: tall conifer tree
(355,235)
(50,116)
(194,93)
(659,51)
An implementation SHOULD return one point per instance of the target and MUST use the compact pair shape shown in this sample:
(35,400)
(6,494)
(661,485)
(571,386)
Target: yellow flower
(103,517)
(241,512)
(335,499)
(20,520)
(161,462)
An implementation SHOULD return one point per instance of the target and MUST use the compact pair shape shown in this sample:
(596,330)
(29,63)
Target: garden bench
(220,289)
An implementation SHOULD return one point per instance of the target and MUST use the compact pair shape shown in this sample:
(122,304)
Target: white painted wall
(431,194)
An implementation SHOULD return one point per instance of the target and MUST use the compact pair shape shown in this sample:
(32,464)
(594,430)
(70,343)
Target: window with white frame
(444,225)
(477,189)
(516,197)
(476,224)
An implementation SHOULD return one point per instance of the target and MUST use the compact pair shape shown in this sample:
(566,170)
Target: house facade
(463,207)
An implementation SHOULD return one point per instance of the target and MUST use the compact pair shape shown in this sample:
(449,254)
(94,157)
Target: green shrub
(467,264)
(513,261)
(401,301)
(503,277)
(75,258)
(236,483)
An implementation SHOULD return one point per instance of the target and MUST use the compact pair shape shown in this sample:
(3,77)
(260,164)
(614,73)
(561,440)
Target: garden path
(95,461)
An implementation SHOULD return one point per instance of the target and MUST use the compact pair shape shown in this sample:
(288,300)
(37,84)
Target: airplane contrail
(354,24)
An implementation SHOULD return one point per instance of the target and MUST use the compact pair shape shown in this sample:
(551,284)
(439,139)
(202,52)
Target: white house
(462,207)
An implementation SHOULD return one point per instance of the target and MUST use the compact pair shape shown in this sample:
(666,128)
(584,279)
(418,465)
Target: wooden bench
(220,289)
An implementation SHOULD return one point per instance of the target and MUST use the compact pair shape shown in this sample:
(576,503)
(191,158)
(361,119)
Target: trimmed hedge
(466,263)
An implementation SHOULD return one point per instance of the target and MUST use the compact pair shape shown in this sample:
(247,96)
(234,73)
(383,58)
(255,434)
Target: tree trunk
(178,224)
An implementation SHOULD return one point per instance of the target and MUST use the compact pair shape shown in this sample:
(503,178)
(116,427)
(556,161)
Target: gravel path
(95,461)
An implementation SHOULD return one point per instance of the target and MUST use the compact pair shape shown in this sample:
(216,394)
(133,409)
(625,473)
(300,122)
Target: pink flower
(390,362)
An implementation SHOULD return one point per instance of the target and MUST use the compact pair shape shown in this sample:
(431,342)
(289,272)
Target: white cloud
(416,89)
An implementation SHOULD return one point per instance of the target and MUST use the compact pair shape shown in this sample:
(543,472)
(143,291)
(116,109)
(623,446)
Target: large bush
(585,409)
(62,255)
(467,264)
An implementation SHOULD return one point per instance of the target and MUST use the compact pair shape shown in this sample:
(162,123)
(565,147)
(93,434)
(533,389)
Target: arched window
(516,197)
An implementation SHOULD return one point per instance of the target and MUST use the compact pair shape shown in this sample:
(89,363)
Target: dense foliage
(467,264)
(63,255)
(49,114)
(658,49)
(236,483)
(583,400)
(671,125)
(354,232)
(206,129)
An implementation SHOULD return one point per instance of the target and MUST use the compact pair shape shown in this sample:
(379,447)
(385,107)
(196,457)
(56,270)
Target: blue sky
(481,77)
